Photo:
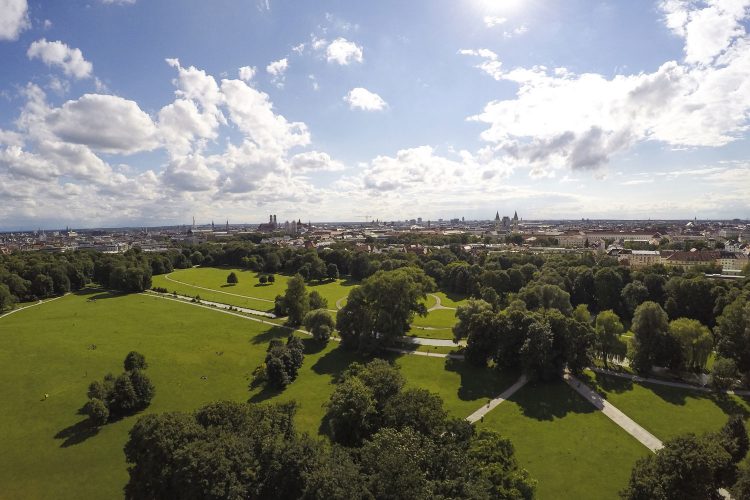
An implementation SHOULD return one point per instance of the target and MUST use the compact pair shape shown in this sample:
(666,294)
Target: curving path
(31,305)
(217,291)
(439,304)
(340,303)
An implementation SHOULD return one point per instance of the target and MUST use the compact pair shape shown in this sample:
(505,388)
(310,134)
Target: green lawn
(668,411)
(247,292)
(451,299)
(572,450)
(50,452)
(442,319)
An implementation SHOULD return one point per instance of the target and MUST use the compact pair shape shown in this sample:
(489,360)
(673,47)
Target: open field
(440,322)
(572,450)
(211,284)
(668,411)
(49,451)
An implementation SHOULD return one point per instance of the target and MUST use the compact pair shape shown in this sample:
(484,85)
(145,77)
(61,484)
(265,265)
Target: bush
(283,361)
(135,361)
(232,278)
(271,278)
(97,411)
(263,280)
(320,324)
(723,374)
(317,301)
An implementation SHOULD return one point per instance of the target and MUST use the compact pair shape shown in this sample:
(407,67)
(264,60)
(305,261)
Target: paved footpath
(439,304)
(679,385)
(484,410)
(642,435)
(31,305)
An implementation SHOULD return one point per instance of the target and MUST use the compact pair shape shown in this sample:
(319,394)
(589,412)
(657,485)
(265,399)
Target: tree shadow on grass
(729,405)
(266,393)
(606,384)
(275,332)
(335,362)
(77,433)
(672,395)
(93,294)
(312,346)
(550,400)
(480,382)
(228,285)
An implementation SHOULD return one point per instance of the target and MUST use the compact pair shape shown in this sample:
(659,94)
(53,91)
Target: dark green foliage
(382,308)
(283,361)
(6,298)
(135,361)
(332,271)
(650,326)
(296,300)
(232,278)
(131,391)
(723,373)
(317,301)
(320,324)
(733,333)
(418,409)
(351,412)
(607,287)
(733,438)
(97,411)
(687,468)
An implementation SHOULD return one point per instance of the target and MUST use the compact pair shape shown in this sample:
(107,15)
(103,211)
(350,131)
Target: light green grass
(49,451)
(572,450)
(451,299)
(247,292)
(667,412)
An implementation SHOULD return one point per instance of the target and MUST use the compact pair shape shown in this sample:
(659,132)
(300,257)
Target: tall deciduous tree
(608,330)
(695,340)
(650,326)
(296,300)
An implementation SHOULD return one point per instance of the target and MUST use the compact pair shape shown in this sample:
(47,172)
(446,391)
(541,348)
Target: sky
(150,112)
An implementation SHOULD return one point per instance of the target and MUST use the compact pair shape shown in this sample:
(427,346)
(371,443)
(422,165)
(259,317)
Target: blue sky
(135,112)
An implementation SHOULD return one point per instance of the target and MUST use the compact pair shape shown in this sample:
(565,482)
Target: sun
(500,7)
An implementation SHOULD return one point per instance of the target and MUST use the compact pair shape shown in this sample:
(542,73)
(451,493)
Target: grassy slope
(666,411)
(49,452)
(572,450)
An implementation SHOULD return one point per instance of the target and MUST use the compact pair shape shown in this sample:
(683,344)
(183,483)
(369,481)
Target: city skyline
(126,113)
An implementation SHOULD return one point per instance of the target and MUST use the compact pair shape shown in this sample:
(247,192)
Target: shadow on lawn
(550,400)
(335,362)
(77,433)
(730,406)
(93,294)
(275,332)
(479,382)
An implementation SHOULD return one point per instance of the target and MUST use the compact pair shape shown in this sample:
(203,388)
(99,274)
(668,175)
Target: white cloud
(247,73)
(560,119)
(278,68)
(520,30)
(491,65)
(361,98)
(14,18)
(343,52)
(314,161)
(491,21)
(71,61)
(104,123)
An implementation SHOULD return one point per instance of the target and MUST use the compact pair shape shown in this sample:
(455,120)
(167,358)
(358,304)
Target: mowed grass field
(49,451)
(211,284)
(572,450)
(665,411)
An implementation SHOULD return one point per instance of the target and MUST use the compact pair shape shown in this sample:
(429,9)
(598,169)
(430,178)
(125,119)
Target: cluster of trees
(541,342)
(282,363)
(240,450)
(382,308)
(691,466)
(115,397)
(297,301)
(26,276)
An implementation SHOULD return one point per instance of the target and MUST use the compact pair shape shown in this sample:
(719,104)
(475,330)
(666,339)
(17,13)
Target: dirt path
(31,305)
(439,304)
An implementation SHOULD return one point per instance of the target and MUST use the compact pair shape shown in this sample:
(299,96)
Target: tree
(97,411)
(536,352)
(688,467)
(317,301)
(263,279)
(733,333)
(271,278)
(332,271)
(733,438)
(546,296)
(608,287)
(695,340)
(650,326)
(418,409)
(6,299)
(608,330)
(296,300)
(633,295)
(135,361)
(283,361)
(320,324)
(232,278)
(581,313)
(42,286)
(383,378)
(382,308)
(723,374)
(351,412)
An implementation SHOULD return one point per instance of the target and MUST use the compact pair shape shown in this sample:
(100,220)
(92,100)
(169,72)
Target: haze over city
(135,113)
